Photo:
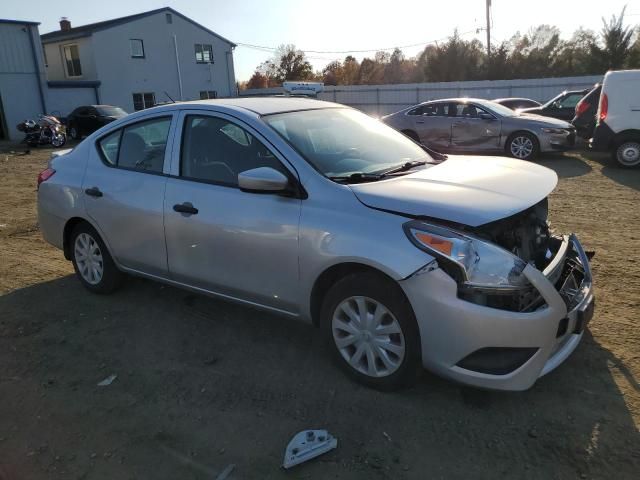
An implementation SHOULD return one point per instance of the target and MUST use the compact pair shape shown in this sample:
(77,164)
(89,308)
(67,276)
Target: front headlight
(472,262)
(555,131)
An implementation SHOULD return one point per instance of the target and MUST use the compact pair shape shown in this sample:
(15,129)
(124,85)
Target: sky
(337,25)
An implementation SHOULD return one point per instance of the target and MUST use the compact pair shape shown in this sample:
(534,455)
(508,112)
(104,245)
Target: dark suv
(562,106)
(89,118)
(585,115)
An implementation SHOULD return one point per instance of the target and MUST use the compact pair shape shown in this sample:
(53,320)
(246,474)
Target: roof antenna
(172,100)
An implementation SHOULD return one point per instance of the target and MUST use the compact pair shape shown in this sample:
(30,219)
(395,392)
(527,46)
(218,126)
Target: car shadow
(565,166)
(628,177)
(217,383)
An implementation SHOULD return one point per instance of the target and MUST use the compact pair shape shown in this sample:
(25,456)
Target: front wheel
(523,145)
(92,262)
(74,132)
(373,331)
(58,139)
(628,153)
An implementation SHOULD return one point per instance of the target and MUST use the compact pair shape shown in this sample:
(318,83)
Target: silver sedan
(321,213)
(482,126)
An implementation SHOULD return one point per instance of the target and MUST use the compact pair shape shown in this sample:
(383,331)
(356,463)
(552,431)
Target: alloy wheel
(88,258)
(368,336)
(521,147)
(628,154)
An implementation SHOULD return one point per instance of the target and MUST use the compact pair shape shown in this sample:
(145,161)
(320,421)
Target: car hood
(464,189)
(543,121)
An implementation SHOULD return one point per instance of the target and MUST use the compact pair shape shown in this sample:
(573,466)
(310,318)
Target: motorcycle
(47,130)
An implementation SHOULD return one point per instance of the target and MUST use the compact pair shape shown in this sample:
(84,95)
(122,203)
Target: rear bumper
(452,329)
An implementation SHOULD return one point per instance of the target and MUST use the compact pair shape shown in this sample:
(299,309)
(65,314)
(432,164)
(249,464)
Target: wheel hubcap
(88,258)
(368,336)
(629,154)
(521,147)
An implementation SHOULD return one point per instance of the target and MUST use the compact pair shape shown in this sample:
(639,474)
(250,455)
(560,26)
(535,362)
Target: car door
(92,120)
(474,129)
(564,107)
(124,191)
(80,119)
(222,239)
(433,125)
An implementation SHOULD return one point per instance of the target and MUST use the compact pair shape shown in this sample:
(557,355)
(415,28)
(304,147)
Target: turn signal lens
(439,244)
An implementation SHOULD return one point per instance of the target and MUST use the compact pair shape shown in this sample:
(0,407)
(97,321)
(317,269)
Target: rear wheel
(373,331)
(628,153)
(523,145)
(92,262)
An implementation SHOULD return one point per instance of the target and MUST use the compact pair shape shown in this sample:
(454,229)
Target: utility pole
(488,28)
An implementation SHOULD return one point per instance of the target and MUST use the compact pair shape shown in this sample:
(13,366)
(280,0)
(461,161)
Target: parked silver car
(482,126)
(322,213)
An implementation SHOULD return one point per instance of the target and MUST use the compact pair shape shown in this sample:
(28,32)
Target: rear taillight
(581,107)
(604,107)
(45,175)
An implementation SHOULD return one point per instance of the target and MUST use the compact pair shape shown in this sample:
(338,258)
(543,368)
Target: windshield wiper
(357,177)
(402,168)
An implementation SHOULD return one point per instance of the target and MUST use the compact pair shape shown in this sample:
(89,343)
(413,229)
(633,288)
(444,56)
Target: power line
(342,52)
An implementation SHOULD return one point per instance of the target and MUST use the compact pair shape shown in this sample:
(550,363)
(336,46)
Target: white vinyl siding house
(143,59)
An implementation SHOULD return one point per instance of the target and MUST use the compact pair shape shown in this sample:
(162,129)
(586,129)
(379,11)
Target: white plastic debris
(107,381)
(308,444)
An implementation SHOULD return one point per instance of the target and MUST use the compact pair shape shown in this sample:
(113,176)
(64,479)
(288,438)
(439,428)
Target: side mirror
(486,116)
(263,179)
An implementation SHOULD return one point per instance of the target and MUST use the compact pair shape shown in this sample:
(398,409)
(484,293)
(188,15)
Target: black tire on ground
(388,293)
(627,153)
(74,132)
(520,139)
(412,135)
(111,277)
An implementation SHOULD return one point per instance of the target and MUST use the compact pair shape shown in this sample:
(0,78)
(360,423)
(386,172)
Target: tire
(523,146)
(98,274)
(385,361)
(59,140)
(627,153)
(74,132)
(412,135)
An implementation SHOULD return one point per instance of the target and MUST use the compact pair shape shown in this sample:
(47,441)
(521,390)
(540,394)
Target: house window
(137,48)
(204,53)
(143,100)
(71,56)
(168,17)
(207,94)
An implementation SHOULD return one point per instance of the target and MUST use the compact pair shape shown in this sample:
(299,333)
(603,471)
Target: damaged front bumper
(500,349)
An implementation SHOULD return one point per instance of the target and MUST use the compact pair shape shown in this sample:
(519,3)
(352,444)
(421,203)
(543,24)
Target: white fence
(383,99)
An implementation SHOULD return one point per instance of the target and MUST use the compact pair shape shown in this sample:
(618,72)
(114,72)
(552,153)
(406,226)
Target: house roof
(18,22)
(86,30)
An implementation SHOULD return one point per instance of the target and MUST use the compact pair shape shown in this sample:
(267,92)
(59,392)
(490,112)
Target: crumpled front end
(505,345)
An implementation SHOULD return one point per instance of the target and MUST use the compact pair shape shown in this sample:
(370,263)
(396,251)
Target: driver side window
(215,150)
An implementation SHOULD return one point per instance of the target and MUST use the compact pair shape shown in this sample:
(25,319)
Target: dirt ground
(202,384)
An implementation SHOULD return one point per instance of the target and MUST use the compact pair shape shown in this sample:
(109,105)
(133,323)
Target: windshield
(111,111)
(339,142)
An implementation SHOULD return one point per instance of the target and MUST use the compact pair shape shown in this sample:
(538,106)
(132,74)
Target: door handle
(185,208)
(419,121)
(93,192)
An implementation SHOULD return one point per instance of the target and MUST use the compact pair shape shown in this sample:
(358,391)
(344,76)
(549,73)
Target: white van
(618,118)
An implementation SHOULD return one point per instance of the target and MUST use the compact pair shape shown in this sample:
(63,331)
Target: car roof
(266,105)
(512,99)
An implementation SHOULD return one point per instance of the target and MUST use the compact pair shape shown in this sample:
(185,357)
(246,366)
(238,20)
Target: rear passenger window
(140,146)
(215,150)
(109,147)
